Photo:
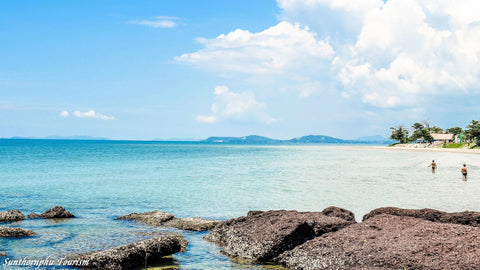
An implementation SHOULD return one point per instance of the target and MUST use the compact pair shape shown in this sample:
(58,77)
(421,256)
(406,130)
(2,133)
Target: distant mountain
(251,139)
(317,139)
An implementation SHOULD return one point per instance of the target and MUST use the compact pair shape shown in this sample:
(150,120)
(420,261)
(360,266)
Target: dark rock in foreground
(390,242)
(11,215)
(154,218)
(464,218)
(334,211)
(135,254)
(192,223)
(160,218)
(55,212)
(15,232)
(261,236)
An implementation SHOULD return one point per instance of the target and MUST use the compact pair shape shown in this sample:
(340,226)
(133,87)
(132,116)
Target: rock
(135,254)
(192,223)
(2,254)
(15,232)
(55,212)
(390,242)
(260,237)
(464,218)
(154,218)
(334,211)
(11,215)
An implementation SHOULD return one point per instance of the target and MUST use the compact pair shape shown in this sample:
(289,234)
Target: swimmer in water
(464,171)
(433,165)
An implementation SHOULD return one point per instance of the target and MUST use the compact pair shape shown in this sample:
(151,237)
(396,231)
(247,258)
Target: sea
(99,181)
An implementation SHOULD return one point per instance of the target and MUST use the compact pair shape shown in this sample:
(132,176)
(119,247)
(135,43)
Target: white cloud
(232,105)
(87,114)
(386,54)
(279,49)
(157,22)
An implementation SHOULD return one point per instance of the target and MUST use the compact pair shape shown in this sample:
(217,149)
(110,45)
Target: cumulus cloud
(157,22)
(87,114)
(385,54)
(278,49)
(233,105)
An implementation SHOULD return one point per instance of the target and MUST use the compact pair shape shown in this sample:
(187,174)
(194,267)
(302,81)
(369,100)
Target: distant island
(250,139)
(255,139)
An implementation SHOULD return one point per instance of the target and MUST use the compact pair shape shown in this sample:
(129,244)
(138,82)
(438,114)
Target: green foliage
(473,131)
(399,134)
(457,145)
(455,130)
(436,129)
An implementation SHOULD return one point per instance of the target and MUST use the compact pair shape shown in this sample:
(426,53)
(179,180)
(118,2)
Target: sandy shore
(451,150)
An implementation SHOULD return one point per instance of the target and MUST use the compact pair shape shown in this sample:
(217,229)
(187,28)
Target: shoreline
(450,150)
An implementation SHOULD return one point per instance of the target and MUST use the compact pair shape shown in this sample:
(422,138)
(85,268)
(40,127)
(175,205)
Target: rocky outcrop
(390,242)
(160,218)
(15,232)
(154,218)
(334,211)
(192,224)
(261,236)
(55,212)
(464,218)
(135,254)
(11,215)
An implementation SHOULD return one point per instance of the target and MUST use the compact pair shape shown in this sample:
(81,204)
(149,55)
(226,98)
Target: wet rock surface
(135,254)
(192,223)
(15,232)
(465,218)
(334,211)
(11,215)
(154,218)
(55,212)
(390,242)
(261,236)
(160,218)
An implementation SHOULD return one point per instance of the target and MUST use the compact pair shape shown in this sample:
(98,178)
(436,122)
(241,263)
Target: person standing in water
(433,165)
(464,171)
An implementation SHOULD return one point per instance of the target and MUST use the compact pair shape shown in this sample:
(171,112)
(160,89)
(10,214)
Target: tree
(455,130)
(473,131)
(417,131)
(436,129)
(399,134)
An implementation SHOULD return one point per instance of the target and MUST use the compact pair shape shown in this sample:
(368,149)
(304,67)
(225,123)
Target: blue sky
(193,69)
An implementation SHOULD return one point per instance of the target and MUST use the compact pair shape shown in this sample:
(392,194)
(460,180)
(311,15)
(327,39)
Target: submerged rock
(135,254)
(55,212)
(15,232)
(154,218)
(334,211)
(160,218)
(465,218)
(390,242)
(11,215)
(261,236)
(192,223)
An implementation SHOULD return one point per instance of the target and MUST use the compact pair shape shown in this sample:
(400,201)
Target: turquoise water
(101,180)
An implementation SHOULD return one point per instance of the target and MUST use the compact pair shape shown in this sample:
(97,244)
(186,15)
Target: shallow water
(101,180)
